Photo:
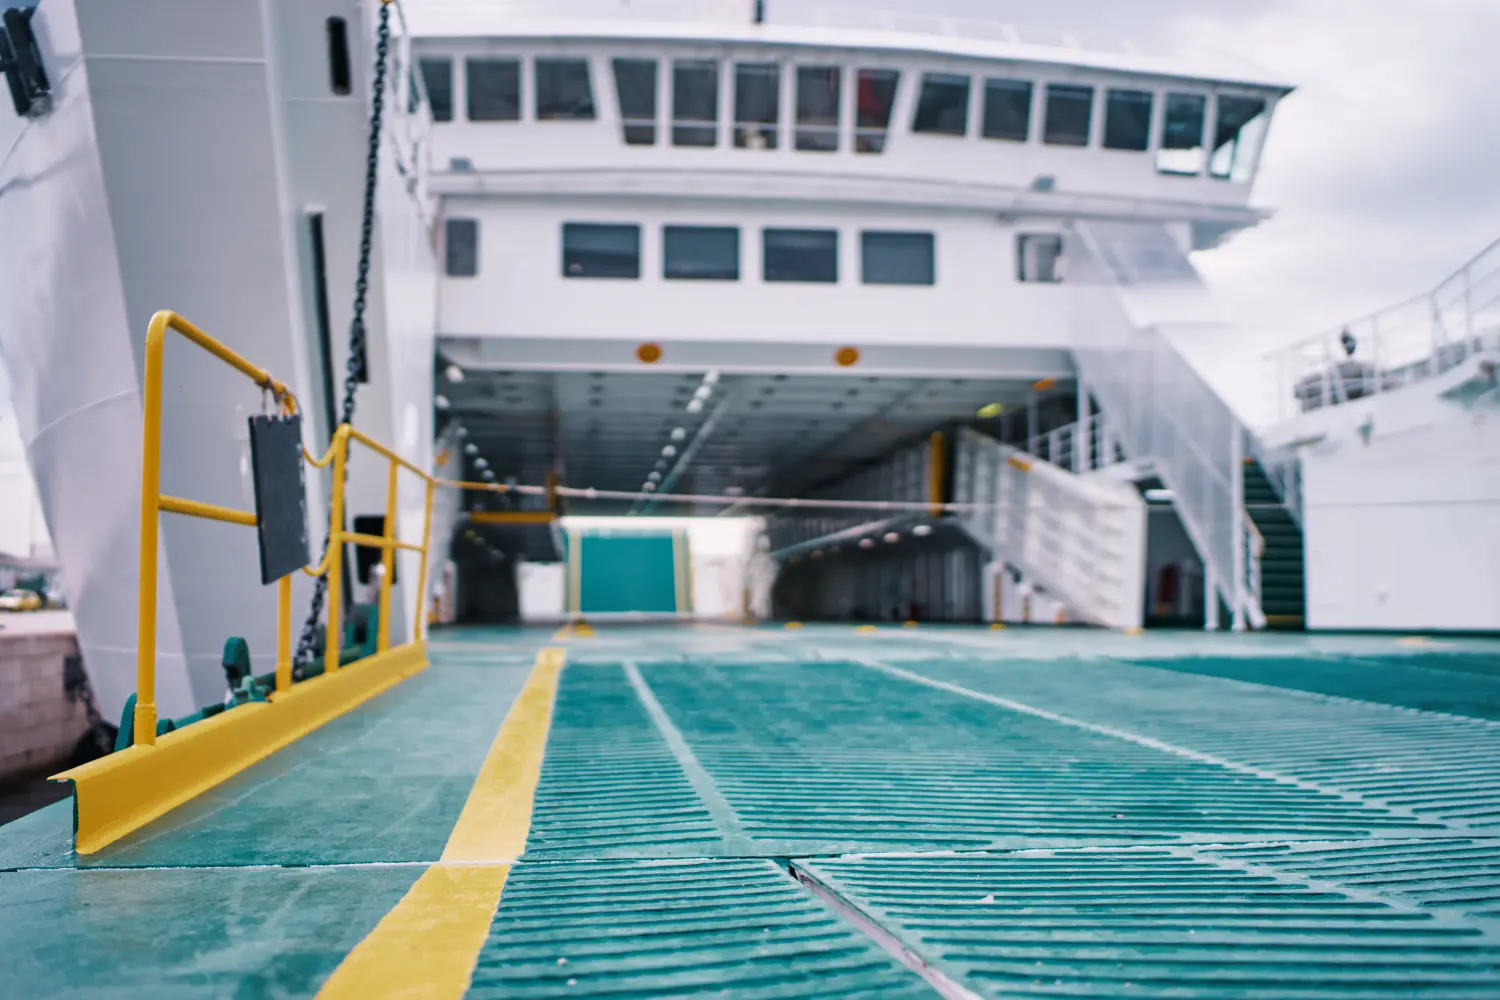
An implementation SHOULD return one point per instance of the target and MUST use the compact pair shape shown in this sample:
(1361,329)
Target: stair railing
(1160,408)
(1255,548)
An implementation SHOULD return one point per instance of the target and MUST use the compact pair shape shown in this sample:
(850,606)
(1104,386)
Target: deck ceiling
(776,434)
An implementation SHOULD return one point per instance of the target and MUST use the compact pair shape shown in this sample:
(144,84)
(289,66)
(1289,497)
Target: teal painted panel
(186,933)
(720,928)
(1153,923)
(635,572)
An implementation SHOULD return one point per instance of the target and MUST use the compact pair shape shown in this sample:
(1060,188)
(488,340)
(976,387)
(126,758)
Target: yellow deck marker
(428,945)
(793,625)
(997,627)
(864,628)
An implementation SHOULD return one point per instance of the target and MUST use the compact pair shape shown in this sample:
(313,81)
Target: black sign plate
(280,496)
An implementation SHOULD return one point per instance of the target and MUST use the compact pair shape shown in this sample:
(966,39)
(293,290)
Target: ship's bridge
(860,230)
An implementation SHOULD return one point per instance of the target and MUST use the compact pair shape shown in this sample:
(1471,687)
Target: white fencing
(1159,407)
(1082,539)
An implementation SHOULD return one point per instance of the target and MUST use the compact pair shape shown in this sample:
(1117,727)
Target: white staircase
(1081,539)
(1134,288)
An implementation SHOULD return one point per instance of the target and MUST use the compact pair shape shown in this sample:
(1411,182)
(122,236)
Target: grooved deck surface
(766,813)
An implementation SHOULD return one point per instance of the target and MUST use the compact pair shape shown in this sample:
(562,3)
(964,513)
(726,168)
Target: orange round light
(648,354)
(846,356)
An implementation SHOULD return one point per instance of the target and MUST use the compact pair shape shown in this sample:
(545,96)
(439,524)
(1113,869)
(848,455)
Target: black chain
(356,371)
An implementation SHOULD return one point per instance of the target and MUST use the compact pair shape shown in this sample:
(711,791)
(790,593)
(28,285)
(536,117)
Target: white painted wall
(521,292)
(1404,532)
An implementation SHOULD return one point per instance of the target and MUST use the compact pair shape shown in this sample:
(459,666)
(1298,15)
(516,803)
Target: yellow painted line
(428,945)
(566,632)
(997,627)
(864,628)
(120,793)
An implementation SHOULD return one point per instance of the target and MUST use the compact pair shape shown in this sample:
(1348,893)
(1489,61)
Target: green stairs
(1283,582)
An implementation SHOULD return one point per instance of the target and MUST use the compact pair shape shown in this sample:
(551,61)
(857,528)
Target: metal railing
(1255,547)
(1084,446)
(1160,408)
(154,503)
(1396,346)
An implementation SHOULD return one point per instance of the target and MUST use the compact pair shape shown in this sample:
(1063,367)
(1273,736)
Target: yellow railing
(154,502)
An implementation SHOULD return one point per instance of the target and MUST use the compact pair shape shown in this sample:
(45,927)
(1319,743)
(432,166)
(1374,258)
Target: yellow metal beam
(511,517)
(121,793)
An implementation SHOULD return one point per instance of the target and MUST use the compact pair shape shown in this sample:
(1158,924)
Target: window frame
(1077,89)
(684,127)
(643,126)
(766,251)
(1148,127)
(817,136)
(1164,151)
(1240,170)
(450,225)
(870,140)
(743,128)
(1032,89)
(568,227)
(667,232)
(1059,267)
(557,62)
(928,237)
(948,79)
(452,106)
(519,65)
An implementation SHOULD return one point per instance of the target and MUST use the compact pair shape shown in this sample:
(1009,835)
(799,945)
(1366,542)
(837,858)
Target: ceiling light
(453,374)
(669,451)
(654,476)
(867,543)
(471,448)
(480,463)
(649,487)
(703,392)
(440,401)
(460,432)
(892,537)
(1158,496)
(712,378)
(922,530)
(991,410)
(661,465)
(734,491)
(488,474)
(694,405)
(678,433)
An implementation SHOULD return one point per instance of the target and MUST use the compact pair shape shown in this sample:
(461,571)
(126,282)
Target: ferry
(614,499)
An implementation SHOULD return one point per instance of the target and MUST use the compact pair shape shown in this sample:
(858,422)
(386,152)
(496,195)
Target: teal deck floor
(765,813)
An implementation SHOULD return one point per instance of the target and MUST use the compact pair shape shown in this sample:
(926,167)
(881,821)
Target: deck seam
(724,815)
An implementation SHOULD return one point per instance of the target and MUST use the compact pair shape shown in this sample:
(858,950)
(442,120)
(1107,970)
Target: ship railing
(121,792)
(1084,446)
(1397,346)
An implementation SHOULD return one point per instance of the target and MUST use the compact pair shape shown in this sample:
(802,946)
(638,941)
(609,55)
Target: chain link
(356,370)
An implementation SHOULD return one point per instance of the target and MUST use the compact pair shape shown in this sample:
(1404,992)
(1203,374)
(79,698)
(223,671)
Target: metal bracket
(21,61)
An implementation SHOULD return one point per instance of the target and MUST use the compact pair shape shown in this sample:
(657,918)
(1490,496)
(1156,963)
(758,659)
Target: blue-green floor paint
(1026,813)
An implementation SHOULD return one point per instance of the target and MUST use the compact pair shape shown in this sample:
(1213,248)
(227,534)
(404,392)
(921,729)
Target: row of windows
(562,91)
(712,253)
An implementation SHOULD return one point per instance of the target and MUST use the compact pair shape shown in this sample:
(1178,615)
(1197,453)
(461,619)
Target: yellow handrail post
(936,473)
(284,634)
(418,630)
(144,724)
(333,642)
(387,559)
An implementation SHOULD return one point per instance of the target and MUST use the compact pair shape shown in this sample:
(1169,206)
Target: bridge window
(874,98)
(563,91)
(461,248)
(635,85)
(801,255)
(701,253)
(1039,257)
(943,107)
(897,258)
(1127,119)
(1182,135)
(695,102)
(494,89)
(437,79)
(1238,132)
(601,251)
(818,108)
(757,105)
(1007,110)
(1070,111)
